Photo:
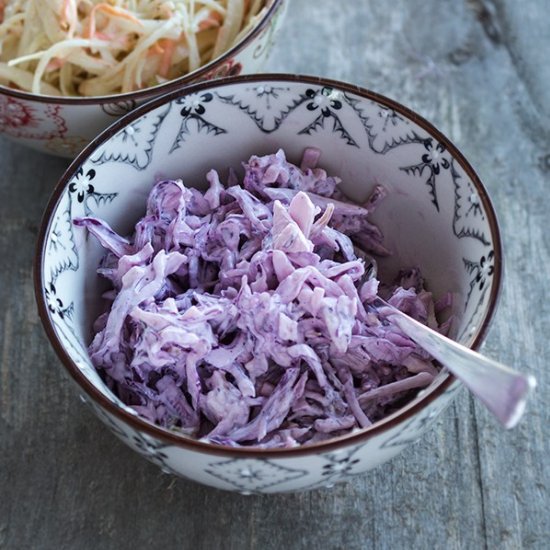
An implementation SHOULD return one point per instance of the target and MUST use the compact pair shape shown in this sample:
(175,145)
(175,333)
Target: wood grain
(478,69)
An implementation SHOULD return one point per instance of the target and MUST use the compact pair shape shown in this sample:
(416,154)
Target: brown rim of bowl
(154,91)
(181,440)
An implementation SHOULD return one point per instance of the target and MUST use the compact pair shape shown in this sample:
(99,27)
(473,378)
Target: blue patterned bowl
(437,216)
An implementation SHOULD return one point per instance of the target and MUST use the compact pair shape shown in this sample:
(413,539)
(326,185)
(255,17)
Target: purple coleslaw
(242,316)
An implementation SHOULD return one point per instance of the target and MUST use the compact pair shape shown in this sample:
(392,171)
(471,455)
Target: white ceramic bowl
(65,125)
(437,216)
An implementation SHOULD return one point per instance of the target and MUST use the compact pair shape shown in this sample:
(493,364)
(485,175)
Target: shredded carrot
(104,36)
(169,47)
(156,48)
(55,63)
(213,20)
(68,17)
(110,10)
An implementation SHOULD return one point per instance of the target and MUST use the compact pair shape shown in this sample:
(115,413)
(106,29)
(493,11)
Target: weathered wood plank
(475,68)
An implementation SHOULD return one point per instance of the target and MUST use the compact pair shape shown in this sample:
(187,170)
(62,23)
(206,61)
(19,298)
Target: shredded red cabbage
(242,315)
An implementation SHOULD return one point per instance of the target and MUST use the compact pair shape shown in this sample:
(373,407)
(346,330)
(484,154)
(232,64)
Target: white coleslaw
(97,48)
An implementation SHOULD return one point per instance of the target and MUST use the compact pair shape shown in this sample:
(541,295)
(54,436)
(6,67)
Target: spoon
(501,389)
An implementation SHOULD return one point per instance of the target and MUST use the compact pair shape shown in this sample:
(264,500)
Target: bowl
(437,215)
(64,125)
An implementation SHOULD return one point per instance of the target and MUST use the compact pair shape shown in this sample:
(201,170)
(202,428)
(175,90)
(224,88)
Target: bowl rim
(179,439)
(152,91)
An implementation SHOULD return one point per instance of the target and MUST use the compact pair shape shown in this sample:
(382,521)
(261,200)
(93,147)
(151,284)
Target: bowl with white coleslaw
(207,270)
(69,68)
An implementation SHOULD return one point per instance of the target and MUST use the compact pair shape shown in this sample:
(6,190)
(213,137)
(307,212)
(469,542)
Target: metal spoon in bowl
(501,389)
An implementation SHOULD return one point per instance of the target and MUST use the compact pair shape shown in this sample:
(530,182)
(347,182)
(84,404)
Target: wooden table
(479,70)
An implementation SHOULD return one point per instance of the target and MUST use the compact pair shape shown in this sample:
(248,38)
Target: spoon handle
(503,390)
